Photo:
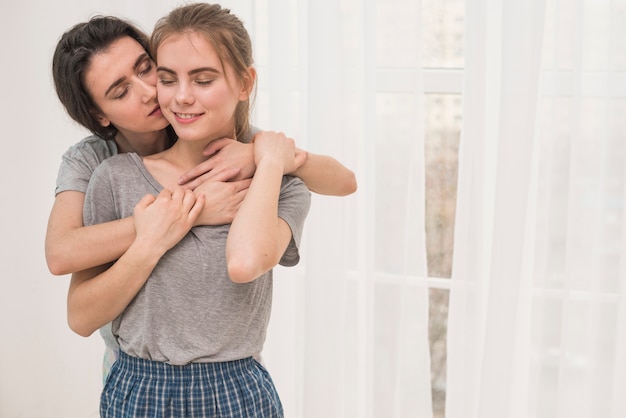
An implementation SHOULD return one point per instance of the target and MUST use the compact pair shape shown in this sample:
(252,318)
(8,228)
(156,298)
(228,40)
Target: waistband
(157,369)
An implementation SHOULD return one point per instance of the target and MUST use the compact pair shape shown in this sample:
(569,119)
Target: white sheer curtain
(343,78)
(537,316)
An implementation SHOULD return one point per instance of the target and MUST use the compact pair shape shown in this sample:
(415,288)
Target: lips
(156,112)
(186,117)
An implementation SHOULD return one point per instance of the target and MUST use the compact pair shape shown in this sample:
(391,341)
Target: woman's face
(198,95)
(122,81)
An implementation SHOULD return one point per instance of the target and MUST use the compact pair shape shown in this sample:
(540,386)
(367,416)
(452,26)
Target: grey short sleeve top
(79,162)
(189,310)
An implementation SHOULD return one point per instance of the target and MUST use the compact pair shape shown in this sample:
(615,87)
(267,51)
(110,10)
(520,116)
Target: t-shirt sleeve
(293,207)
(79,162)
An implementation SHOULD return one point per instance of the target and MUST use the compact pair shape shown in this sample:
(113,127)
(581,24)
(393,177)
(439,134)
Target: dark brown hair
(72,57)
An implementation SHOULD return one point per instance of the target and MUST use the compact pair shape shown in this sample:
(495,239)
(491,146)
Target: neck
(187,155)
(142,144)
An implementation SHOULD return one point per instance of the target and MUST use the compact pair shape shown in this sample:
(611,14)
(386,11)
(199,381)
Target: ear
(104,121)
(247,84)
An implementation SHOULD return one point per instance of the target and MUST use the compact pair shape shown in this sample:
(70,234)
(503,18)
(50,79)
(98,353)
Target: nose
(148,91)
(184,94)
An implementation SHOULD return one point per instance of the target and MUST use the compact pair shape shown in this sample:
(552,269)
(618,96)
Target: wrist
(269,166)
(145,252)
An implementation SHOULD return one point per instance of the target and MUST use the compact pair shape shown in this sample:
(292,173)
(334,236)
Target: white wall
(45,369)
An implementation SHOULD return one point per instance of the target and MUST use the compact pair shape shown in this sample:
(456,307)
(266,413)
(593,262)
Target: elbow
(240,272)
(57,261)
(246,269)
(346,186)
(78,326)
(57,268)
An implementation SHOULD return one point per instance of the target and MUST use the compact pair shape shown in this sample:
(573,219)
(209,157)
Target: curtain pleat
(537,315)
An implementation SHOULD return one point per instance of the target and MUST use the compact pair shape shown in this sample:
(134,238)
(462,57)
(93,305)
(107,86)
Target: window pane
(442,133)
(437,331)
(442,123)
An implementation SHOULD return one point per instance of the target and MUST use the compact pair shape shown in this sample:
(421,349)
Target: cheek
(225,98)
(163,95)
(152,79)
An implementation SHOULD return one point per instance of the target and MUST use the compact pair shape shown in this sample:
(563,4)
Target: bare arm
(98,295)
(72,247)
(321,173)
(324,175)
(258,237)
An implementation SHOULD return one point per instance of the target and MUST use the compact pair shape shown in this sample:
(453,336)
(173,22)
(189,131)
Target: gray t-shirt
(189,310)
(79,162)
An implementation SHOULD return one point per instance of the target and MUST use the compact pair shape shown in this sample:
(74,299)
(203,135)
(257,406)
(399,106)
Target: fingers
(242,185)
(225,175)
(180,199)
(215,146)
(206,171)
(197,206)
(189,200)
(301,157)
(218,177)
(146,201)
(179,194)
(164,194)
(199,170)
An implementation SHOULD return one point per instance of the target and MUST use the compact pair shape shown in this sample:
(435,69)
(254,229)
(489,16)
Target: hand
(277,145)
(162,221)
(228,160)
(301,157)
(222,201)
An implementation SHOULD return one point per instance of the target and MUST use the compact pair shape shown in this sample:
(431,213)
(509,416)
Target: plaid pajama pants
(140,388)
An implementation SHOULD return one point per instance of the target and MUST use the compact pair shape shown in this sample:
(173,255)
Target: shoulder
(120,163)
(92,147)
(80,161)
(294,184)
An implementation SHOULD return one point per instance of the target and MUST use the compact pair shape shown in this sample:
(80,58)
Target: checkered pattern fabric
(140,388)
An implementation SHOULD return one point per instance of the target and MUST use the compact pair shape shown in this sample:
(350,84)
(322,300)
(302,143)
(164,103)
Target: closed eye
(166,82)
(146,68)
(122,94)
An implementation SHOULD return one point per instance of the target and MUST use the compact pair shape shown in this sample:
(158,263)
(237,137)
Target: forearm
(253,244)
(80,248)
(97,296)
(323,174)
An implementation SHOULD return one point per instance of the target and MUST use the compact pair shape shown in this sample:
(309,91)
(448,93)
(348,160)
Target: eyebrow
(192,72)
(141,58)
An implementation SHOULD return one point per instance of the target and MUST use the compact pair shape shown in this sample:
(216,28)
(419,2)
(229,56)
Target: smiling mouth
(187,115)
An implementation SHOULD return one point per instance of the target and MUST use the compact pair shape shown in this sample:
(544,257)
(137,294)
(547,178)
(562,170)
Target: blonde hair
(229,37)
